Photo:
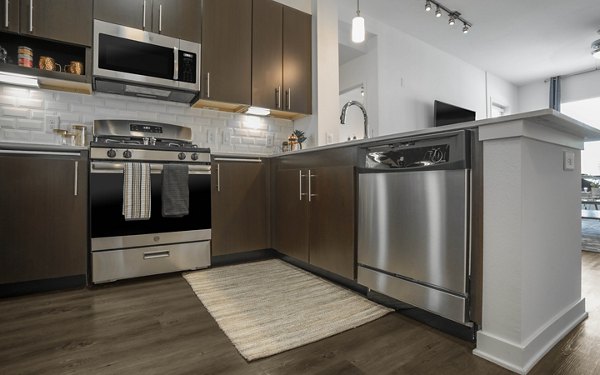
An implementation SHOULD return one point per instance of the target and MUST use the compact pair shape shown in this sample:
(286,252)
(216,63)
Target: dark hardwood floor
(158,326)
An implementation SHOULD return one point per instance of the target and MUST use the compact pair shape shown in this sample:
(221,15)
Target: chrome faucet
(364,111)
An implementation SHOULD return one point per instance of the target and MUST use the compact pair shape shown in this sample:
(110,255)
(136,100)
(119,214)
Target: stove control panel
(199,156)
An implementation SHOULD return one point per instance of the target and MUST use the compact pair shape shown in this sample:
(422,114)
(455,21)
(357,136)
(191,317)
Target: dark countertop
(39,147)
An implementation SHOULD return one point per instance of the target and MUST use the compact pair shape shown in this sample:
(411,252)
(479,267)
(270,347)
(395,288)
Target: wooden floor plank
(158,326)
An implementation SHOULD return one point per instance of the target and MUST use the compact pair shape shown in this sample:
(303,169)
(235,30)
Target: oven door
(110,230)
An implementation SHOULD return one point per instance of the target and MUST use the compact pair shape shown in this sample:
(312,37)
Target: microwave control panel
(187,66)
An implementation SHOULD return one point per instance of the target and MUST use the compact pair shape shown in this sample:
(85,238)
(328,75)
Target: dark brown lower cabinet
(314,217)
(239,205)
(43,216)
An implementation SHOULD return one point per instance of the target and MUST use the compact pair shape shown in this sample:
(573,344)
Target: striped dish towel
(136,191)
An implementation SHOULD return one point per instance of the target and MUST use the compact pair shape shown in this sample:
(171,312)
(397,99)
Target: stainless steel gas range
(124,247)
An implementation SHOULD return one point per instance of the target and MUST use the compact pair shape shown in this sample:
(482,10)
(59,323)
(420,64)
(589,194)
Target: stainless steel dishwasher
(414,222)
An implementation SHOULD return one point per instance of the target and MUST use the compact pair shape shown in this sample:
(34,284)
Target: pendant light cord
(358,8)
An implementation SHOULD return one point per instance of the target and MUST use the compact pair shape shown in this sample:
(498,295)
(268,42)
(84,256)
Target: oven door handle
(110,167)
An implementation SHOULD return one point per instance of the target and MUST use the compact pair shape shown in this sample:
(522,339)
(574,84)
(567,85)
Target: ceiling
(519,40)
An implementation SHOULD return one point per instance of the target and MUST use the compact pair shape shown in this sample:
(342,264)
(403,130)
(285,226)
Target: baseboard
(521,358)
(45,285)
(247,256)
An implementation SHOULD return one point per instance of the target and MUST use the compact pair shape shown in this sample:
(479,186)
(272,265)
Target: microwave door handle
(175,63)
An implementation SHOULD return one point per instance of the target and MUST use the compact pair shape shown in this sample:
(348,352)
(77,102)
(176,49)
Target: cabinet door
(267,52)
(239,207)
(291,214)
(297,61)
(177,18)
(43,224)
(227,51)
(63,20)
(132,13)
(9,15)
(332,220)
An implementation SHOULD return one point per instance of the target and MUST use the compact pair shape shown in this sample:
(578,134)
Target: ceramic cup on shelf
(75,67)
(48,63)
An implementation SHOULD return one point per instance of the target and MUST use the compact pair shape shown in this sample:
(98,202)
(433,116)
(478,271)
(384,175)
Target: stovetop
(128,140)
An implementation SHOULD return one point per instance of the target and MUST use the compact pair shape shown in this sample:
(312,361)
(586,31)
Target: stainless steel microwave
(134,62)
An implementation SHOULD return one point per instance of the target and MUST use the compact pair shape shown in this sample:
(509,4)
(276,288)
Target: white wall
(503,93)
(534,96)
(303,5)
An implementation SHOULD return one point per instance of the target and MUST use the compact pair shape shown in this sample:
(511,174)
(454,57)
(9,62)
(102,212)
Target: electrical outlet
(210,136)
(270,140)
(226,136)
(568,160)
(52,121)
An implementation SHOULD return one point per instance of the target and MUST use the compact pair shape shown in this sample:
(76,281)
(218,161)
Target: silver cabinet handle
(242,160)
(160,18)
(208,85)
(175,63)
(289,100)
(144,15)
(6,13)
(300,175)
(310,194)
(49,153)
(278,97)
(76,187)
(30,15)
(157,254)
(218,177)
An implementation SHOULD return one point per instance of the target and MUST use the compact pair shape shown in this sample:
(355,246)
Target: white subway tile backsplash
(29,103)
(8,122)
(7,100)
(30,124)
(16,112)
(13,135)
(23,111)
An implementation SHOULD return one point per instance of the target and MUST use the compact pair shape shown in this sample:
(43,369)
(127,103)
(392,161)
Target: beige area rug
(269,307)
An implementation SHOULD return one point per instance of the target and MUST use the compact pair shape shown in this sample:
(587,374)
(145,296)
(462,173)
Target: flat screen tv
(446,114)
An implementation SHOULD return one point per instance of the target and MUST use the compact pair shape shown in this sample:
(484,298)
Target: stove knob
(127,154)
(195,156)
(181,156)
(111,153)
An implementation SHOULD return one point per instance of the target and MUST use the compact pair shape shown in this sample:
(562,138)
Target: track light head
(596,49)
(438,12)
(451,20)
(427,5)
(465,29)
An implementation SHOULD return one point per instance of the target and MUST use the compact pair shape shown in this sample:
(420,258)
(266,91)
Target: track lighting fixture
(453,16)
(427,5)
(358,26)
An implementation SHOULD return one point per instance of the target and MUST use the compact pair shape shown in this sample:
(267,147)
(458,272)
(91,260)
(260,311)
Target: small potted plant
(595,189)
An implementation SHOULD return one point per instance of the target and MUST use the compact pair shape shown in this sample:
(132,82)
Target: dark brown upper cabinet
(9,14)
(297,60)
(174,18)
(227,51)
(281,58)
(67,21)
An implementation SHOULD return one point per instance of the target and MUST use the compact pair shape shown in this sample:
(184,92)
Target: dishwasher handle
(446,166)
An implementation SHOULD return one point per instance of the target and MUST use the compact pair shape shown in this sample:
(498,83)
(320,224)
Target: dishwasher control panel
(440,151)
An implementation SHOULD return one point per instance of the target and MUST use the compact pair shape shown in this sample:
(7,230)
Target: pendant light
(358,26)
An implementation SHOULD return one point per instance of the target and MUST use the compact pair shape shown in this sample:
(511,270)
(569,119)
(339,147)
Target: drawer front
(123,264)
